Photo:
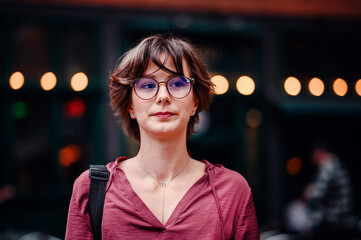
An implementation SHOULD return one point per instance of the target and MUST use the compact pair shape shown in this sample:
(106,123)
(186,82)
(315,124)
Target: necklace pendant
(163,184)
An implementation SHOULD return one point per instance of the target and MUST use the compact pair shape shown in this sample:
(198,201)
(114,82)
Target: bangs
(170,49)
(152,50)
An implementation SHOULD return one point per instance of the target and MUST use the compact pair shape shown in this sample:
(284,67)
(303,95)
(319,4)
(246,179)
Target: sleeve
(78,225)
(247,227)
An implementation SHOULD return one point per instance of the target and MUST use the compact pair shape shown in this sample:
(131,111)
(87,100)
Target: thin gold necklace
(163,184)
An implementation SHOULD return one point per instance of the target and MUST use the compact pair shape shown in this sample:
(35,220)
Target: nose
(163,94)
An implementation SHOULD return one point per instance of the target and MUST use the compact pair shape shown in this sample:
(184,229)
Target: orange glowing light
(292,86)
(16,80)
(245,85)
(316,87)
(254,118)
(69,155)
(48,81)
(358,87)
(340,87)
(221,84)
(294,166)
(79,82)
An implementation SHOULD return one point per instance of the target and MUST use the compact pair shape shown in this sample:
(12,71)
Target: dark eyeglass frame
(133,82)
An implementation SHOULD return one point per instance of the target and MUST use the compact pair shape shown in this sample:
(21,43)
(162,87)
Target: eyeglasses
(178,87)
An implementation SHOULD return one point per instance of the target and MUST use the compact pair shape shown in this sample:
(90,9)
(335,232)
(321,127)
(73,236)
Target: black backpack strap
(99,176)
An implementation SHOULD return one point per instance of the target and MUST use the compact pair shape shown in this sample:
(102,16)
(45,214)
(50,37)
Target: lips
(163,115)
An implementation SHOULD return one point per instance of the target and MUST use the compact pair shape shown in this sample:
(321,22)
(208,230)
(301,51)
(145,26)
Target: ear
(131,112)
(195,106)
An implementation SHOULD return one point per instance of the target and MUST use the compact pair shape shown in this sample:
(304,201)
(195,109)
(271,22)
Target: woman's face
(163,116)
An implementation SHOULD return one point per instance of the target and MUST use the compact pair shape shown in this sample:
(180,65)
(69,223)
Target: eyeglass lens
(147,88)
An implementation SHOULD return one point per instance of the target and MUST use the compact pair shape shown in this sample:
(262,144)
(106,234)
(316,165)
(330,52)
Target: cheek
(189,106)
(135,104)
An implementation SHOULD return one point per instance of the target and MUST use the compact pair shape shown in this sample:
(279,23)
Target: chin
(167,133)
(169,129)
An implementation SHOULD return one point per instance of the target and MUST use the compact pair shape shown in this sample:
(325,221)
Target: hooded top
(218,206)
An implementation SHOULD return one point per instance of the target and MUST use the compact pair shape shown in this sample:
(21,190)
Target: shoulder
(233,191)
(82,184)
(228,180)
(222,174)
(81,187)
(79,197)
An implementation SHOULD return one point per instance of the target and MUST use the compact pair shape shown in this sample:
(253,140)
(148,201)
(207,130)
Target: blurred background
(288,75)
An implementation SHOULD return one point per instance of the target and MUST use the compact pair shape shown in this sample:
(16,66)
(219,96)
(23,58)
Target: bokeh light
(294,166)
(358,87)
(19,110)
(74,108)
(245,85)
(221,84)
(48,81)
(292,86)
(69,155)
(79,82)
(253,118)
(340,87)
(16,80)
(316,87)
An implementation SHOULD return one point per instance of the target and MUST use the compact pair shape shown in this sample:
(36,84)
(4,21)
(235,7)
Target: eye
(146,84)
(178,82)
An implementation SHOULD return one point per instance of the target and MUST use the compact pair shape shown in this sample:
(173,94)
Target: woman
(157,90)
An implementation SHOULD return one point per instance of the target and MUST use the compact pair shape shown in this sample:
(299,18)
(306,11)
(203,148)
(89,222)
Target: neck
(163,158)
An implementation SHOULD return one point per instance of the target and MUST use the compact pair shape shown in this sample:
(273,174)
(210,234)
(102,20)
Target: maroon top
(218,206)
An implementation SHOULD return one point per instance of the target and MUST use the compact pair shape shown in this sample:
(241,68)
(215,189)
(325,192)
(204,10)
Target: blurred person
(158,89)
(298,218)
(330,197)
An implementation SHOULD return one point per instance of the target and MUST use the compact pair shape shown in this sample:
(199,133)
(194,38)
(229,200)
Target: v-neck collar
(146,213)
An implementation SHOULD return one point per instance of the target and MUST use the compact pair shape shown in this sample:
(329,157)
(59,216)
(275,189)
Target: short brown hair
(133,64)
